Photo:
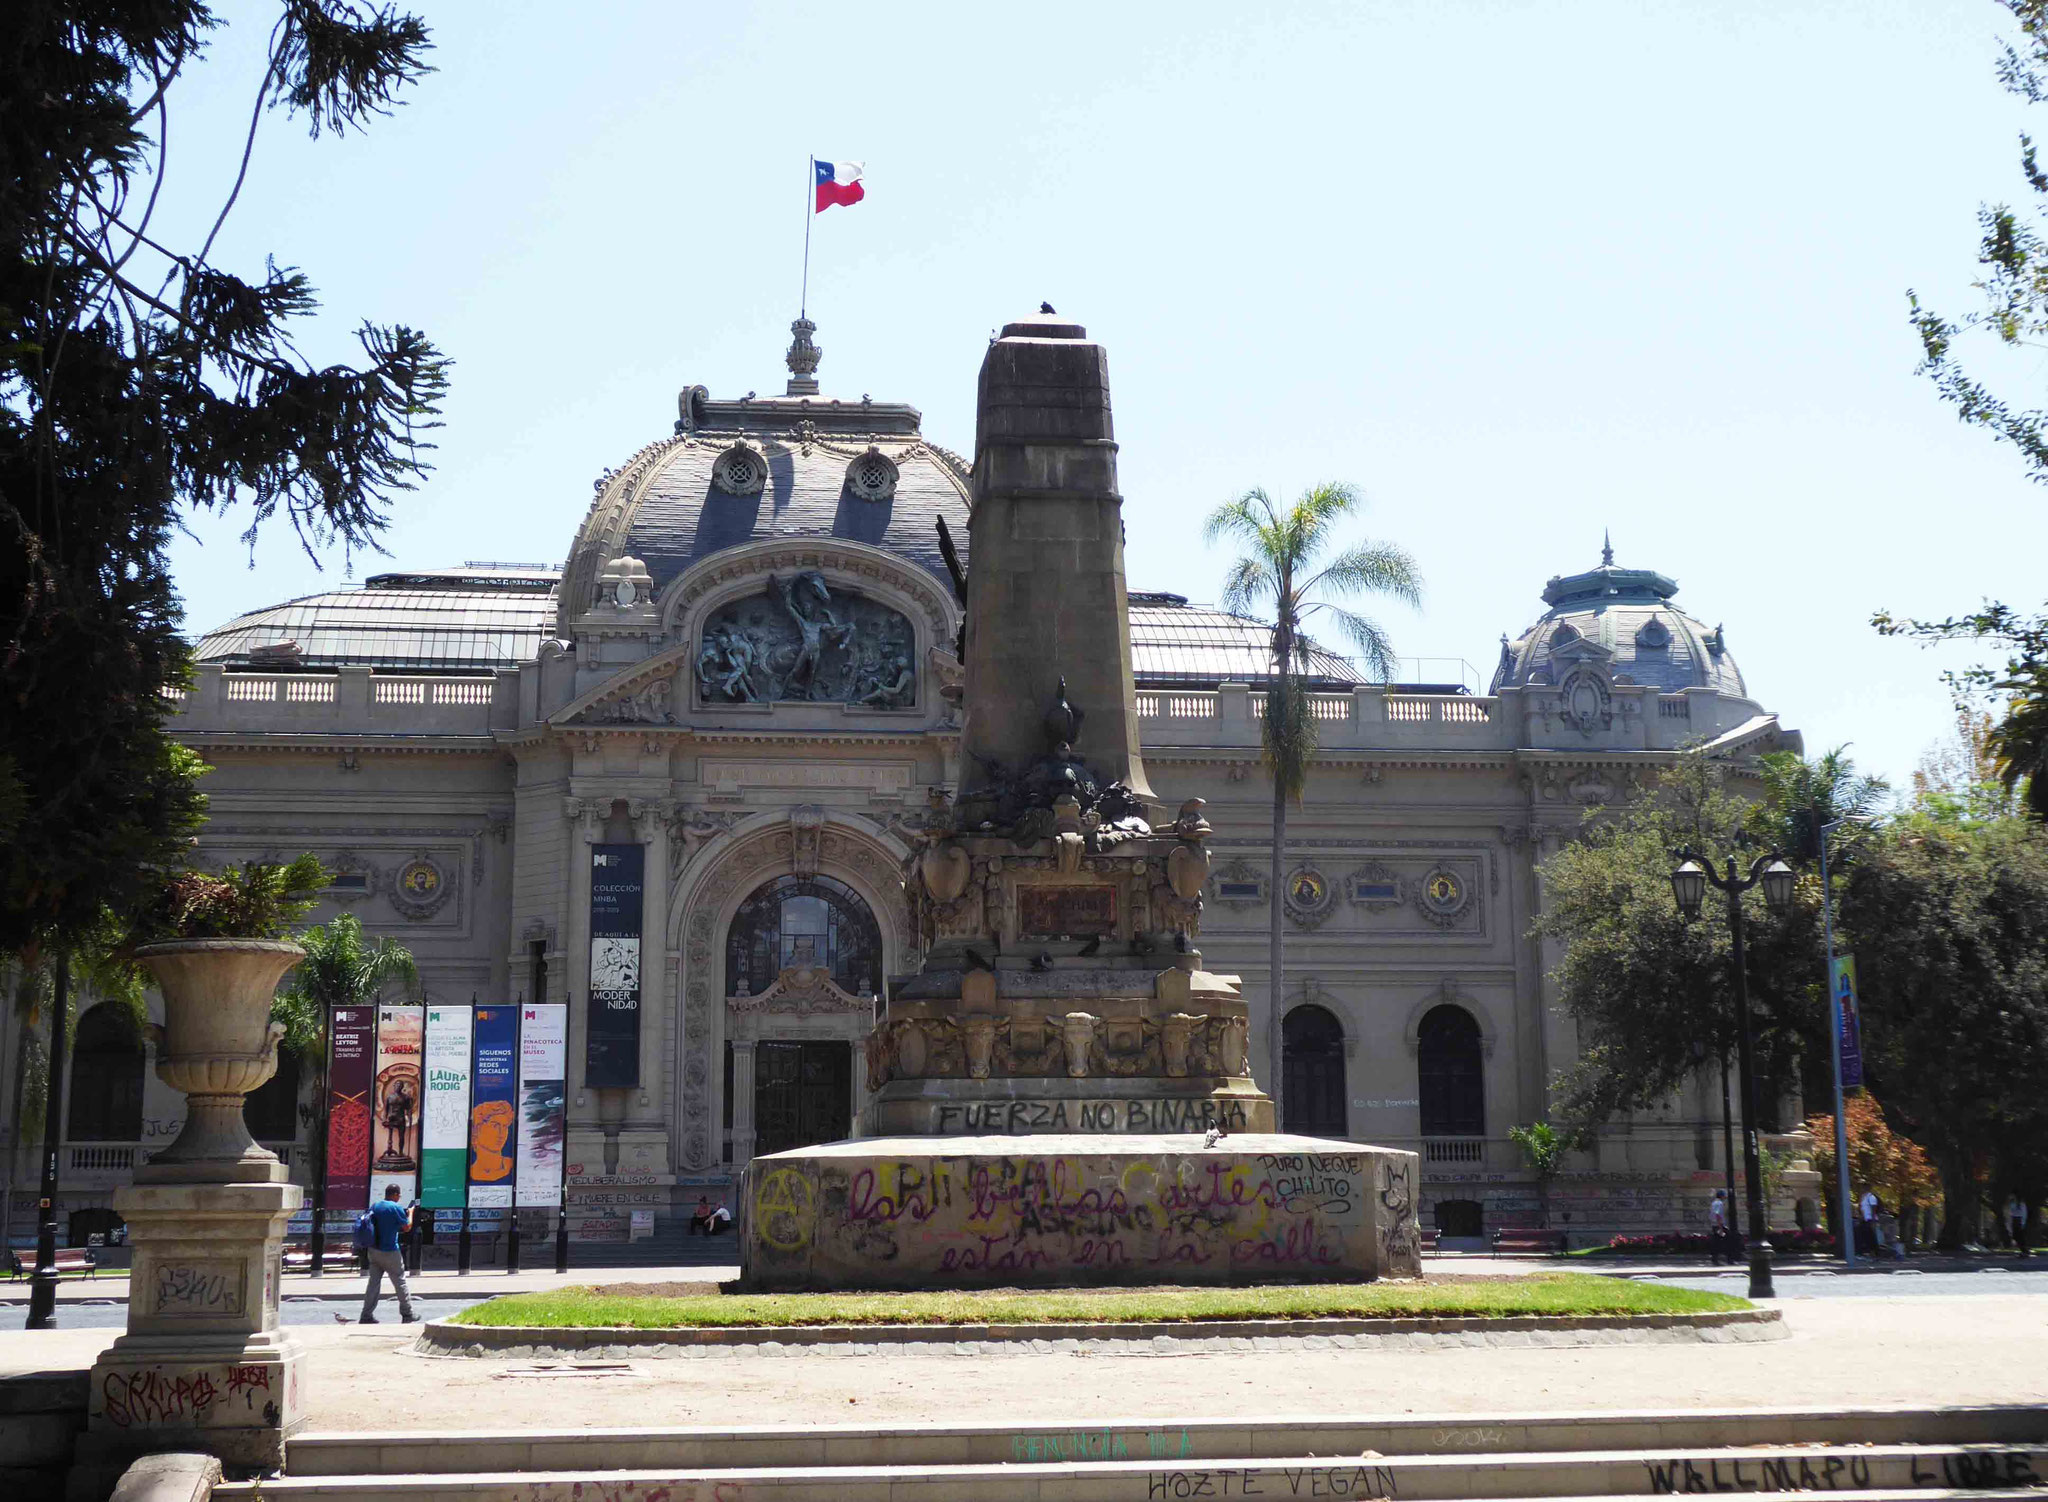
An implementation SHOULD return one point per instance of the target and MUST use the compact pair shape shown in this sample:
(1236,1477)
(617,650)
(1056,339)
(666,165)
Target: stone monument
(204,1365)
(1062,1093)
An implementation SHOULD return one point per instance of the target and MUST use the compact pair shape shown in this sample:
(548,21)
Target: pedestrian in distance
(700,1223)
(1717,1228)
(2016,1222)
(1870,1238)
(388,1221)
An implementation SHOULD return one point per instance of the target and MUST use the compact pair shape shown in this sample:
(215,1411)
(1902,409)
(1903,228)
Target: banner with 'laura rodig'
(444,1120)
(351,1072)
(543,1102)
(611,1049)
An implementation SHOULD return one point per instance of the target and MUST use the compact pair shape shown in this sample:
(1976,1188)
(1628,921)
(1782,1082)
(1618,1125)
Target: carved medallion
(1443,896)
(1309,897)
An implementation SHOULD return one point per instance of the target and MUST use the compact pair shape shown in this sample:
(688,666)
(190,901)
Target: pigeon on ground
(1093,946)
(1140,944)
(1041,961)
(1045,307)
(978,960)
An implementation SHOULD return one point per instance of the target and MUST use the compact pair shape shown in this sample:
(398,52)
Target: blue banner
(1851,1042)
(493,1108)
(611,1047)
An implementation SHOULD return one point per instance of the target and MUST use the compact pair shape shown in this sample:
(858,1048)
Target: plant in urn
(206,1216)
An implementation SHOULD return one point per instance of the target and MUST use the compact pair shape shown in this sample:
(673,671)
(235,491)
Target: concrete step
(1770,1470)
(1138,1439)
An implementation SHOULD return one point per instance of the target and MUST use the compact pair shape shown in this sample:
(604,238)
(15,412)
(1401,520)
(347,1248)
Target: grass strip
(1537,1294)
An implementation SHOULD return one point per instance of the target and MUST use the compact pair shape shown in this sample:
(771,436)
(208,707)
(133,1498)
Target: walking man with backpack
(388,1220)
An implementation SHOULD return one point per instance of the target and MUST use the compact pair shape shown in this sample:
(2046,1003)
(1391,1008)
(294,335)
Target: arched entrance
(787,930)
(1312,1073)
(799,950)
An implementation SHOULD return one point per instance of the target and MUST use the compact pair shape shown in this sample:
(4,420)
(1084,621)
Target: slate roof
(1628,612)
(666,509)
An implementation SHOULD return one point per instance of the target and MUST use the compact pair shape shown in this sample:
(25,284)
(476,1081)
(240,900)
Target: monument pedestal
(1080,1208)
(204,1365)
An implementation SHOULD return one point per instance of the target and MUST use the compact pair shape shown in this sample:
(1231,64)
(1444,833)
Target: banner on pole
(396,1128)
(350,1077)
(612,1038)
(444,1121)
(543,1102)
(494,1108)
(1851,1042)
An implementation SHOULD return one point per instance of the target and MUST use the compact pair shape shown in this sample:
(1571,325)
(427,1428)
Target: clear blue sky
(1520,271)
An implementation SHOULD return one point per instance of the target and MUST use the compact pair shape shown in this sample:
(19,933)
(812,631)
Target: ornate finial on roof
(1606,549)
(803,358)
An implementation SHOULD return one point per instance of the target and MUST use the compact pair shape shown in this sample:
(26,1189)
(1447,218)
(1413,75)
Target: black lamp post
(1689,885)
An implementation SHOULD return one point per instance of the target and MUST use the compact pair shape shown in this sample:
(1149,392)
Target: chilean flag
(838,182)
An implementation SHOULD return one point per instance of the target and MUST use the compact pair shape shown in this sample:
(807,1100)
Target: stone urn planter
(218,1043)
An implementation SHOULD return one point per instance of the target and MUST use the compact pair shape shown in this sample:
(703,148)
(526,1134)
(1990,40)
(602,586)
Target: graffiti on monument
(1040,1215)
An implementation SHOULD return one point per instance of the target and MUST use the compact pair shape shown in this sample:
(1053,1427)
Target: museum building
(746,668)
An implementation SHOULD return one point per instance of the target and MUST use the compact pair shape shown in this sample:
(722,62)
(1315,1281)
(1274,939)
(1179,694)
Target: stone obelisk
(1062,1094)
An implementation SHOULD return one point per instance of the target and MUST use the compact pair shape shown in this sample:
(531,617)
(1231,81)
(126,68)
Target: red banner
(349,1081)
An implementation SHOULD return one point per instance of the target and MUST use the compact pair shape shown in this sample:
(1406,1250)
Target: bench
(299,1259)
(70,1259)
(1524,1241)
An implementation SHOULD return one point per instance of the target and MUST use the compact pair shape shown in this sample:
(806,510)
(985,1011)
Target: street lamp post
(1845,1221)
(1689,885)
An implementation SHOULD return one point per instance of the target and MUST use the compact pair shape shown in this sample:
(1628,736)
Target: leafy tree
(1286,568)
(1545,1148)
(2014,254)
(1956,778)
(1879,1158)
(2017,743)
(341,969)
(1653,993)
(2013,251)
(138,379)
(1950,926)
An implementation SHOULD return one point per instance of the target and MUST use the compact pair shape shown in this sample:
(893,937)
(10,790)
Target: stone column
(204,1365)
(860,1082)
(742,1103)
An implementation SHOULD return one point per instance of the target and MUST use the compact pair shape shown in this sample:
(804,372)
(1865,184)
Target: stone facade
(748,666)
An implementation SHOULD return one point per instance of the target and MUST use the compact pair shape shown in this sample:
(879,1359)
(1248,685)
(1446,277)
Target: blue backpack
(365,1232)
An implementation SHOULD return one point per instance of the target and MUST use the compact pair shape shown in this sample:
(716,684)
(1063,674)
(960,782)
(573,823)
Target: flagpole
(810,192)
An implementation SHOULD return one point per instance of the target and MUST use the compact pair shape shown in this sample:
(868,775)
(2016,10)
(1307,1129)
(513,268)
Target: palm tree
(1281,572)
(2019,743)
(341,969)
(1802,795)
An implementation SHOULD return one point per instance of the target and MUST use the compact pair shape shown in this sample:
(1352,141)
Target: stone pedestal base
(204,1365)
(1077,1210)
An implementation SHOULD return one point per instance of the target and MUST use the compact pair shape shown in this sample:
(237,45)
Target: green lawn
(1541,1293)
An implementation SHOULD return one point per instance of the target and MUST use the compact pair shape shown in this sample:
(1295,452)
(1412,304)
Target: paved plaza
(1855,1340)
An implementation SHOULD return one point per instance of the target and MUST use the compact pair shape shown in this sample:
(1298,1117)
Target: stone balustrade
(356,701)
(353,701)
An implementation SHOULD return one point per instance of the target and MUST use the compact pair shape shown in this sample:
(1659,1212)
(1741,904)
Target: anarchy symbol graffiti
(783,1210)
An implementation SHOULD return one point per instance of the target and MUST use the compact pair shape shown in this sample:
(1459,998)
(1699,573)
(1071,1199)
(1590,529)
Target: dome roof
(766,468)
(1628,613)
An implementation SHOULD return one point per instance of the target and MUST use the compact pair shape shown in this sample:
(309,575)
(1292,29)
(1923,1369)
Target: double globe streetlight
(1689,885)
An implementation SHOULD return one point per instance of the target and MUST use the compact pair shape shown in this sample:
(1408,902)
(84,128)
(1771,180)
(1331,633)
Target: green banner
(444,1127)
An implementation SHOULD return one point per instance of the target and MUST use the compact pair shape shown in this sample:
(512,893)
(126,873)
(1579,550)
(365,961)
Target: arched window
(803,920)
(1312,1073)
(272,1108)
(106,1077)
(1451,1076)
